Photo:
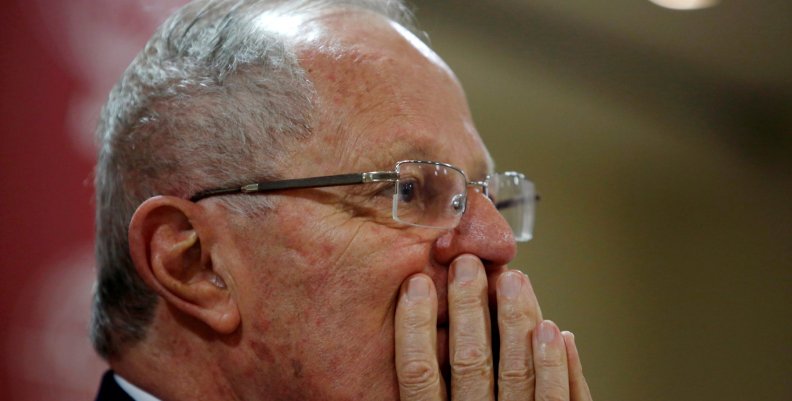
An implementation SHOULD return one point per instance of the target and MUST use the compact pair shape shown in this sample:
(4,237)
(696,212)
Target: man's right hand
(537,361)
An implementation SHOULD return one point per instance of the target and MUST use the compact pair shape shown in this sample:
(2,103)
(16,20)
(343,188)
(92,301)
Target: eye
(407,191)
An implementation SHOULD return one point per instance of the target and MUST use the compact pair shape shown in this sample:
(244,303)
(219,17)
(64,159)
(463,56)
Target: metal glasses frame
(331,181)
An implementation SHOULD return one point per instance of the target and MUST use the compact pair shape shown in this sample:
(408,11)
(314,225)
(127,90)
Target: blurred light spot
(96,39)
(280,24)
(685,4)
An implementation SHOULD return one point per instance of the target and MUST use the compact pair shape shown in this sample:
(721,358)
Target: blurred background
(660,139)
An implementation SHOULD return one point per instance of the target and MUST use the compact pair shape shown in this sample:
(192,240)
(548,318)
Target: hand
(537,361)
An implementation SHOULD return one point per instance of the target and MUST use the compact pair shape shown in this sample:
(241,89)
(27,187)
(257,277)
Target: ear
(165,244)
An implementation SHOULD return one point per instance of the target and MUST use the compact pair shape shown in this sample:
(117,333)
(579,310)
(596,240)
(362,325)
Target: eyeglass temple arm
(313,182)
(516,201)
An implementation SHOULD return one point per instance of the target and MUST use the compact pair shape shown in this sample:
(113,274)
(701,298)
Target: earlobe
(166,246)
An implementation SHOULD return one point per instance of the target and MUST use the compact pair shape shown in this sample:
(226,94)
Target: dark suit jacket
(110,391)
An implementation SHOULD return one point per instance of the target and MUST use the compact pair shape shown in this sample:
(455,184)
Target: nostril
(487,263)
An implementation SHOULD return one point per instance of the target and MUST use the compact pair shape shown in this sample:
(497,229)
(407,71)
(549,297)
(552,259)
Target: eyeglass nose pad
(459,203)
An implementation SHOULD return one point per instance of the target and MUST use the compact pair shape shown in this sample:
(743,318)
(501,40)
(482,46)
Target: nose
(482,231)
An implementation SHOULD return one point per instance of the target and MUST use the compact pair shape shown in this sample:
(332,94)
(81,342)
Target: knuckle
(416,318)
(515,365)
(516,375)
(553,393)
(468,302)
(512,315)
(471,360)
(550,361)
(418,375)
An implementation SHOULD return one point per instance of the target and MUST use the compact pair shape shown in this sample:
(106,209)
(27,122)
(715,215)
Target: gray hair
(210,101)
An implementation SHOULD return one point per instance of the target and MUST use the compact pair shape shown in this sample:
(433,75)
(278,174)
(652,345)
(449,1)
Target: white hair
(210,101)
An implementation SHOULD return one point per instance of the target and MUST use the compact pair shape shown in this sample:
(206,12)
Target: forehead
(383,96)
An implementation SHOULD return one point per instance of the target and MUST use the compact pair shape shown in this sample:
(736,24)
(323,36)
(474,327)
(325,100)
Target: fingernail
(417,289)
(510,284)
(547,332)
(465,269)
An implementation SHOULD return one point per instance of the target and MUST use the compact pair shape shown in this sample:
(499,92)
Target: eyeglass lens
(435,195)
(515,198)
(429,195)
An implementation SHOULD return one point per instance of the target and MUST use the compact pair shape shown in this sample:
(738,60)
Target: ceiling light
(685,4)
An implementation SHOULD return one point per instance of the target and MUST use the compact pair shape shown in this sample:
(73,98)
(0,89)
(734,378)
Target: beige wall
(661,241)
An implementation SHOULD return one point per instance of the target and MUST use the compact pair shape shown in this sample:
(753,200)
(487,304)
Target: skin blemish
(262,351)
(296,368)
(327,249)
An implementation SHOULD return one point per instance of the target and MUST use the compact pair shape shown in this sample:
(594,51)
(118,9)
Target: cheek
(344,282)
(330,292)
(378,259)
(327,263)
(350,256)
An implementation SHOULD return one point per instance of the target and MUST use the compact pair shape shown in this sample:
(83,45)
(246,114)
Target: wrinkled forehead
(384,96)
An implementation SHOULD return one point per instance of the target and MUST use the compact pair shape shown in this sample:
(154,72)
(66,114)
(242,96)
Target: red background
(58,61)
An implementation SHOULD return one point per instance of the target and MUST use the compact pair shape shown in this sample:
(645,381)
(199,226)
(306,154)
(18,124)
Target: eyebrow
(409,152)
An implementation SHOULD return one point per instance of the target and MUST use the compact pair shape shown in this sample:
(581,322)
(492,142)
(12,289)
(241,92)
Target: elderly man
(293,203)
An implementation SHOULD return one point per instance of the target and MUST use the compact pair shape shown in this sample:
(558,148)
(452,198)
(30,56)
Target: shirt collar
(134,391)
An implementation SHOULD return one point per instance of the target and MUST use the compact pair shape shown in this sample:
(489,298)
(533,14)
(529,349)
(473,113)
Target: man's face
(320,273)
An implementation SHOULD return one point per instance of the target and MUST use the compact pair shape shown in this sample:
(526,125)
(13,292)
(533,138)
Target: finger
(550,363)
(578,387)
(518,314)
(416,341)
(469,336)
(493,274)
(533,301)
